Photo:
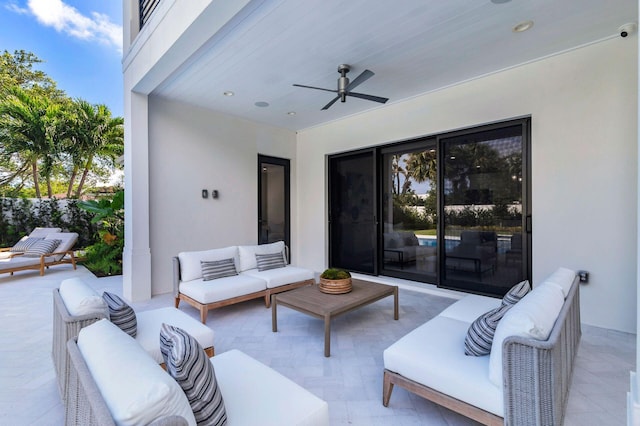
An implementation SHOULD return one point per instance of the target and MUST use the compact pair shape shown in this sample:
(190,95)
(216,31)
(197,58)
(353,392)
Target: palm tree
(30,131)
(95,135)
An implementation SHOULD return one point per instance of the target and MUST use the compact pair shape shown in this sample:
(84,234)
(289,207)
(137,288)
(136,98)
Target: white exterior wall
(191,149)
(583,106)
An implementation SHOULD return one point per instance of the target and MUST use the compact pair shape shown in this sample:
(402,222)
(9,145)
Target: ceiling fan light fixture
(522,27)
(500,1)
(262,104)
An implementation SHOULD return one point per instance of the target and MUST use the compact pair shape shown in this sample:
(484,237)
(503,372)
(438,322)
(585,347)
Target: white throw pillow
(136,390)
(248,254)
(533,316)
(190,268)
(562,277)
(80,299)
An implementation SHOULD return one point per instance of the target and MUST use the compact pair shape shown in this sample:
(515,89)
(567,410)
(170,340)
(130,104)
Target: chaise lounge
(54,249)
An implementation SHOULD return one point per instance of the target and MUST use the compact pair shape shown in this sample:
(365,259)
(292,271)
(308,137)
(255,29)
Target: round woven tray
(335,286)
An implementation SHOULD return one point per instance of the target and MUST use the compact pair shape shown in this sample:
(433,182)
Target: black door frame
(286,163)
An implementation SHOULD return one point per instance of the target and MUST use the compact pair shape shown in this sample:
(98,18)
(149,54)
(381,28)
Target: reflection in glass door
(485,243)
(273,200)
(409,211)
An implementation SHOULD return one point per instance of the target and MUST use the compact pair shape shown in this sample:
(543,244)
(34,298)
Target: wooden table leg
(274,313)
(327,336)
(396,315)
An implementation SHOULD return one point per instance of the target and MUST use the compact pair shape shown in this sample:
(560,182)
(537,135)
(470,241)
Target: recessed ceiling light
(522,26)
(262,104)
(500,1)
(228,93)
(291,113)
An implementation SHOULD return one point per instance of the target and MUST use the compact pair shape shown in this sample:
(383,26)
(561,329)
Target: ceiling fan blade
(364,76)
(317,88)
(368,97)
(327,106)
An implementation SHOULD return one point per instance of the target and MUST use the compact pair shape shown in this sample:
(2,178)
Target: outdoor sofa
(525,378)
(240,273)
(77,305)
(114,381)
(43,254)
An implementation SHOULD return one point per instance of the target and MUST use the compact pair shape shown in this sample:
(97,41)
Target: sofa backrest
(248,254)
(190,268)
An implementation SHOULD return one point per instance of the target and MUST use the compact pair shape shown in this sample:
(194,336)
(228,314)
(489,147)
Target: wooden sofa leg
(203,314)
(176,302)
(267,300)
(387,388)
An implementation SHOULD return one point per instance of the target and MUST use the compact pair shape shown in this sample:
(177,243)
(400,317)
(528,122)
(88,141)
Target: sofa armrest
(176,276)
(537,373)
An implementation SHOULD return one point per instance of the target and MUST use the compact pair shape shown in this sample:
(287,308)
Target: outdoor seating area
(350,381)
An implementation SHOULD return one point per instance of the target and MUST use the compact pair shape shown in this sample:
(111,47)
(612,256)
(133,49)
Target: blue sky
(79,40)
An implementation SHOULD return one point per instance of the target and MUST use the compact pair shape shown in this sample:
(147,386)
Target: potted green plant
(335,281)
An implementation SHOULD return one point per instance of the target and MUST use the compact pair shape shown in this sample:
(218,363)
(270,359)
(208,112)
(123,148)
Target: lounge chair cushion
(135,389)
(280,276)
(269,261)
(67,241)
(247,254)
(43,232)
(190,268)
(41,247)
(149,323)
(121,314)
(215,269)
(188,364)
(24,244)
(533,316)
(80,299)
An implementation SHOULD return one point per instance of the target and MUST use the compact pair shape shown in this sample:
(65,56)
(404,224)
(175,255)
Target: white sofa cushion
(222,288)
(247,254)
(533,316)
(188,364)
(80,299)
(190,268)
(470,307)
(280,276)
(563,278)
(255,394)
(150,322)
(433,355)
(135,389)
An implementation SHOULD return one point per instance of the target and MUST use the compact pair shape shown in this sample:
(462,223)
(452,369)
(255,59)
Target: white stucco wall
(191,149)
(584,150)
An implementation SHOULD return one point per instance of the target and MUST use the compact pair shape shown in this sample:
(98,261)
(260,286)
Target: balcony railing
(146,10)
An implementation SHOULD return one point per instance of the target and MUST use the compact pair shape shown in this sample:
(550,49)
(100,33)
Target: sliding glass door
(352,217)
(484,210)
(409,211)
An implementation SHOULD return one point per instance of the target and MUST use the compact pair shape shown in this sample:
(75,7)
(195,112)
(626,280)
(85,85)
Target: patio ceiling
(412,46)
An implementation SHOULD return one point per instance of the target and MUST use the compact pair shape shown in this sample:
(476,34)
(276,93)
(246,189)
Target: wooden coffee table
(311,301)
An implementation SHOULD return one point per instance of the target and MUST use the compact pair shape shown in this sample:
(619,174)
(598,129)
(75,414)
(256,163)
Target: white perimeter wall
(191,149)
(583,106)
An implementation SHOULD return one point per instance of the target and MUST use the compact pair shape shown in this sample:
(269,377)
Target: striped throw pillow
(214,269)
(42,247)
(479,337)
(269,261)
(189,365)
(23,245)
(516,293)
(121,314)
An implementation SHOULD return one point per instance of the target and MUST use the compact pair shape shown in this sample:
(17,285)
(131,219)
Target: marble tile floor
(350,380)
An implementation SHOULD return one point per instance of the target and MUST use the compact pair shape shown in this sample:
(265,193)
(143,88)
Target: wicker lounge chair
(61,254)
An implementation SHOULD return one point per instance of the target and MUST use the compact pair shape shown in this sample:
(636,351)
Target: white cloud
(67,19)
